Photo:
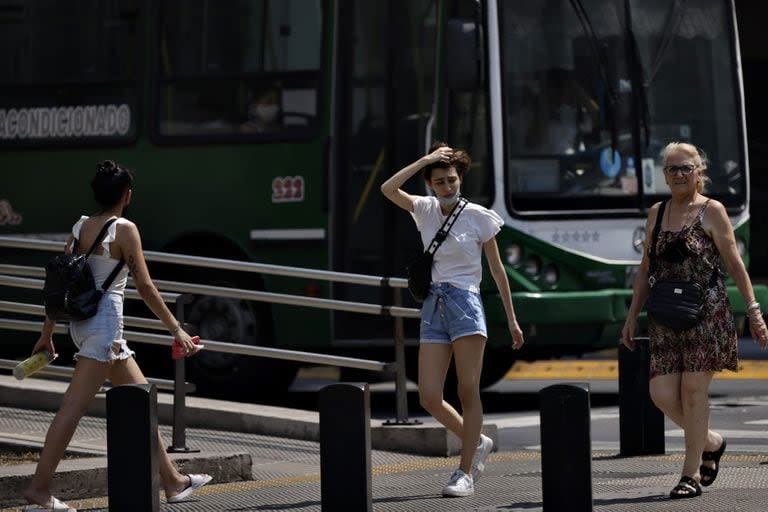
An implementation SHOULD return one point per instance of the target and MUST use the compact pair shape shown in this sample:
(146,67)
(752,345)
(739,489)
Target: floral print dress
(711,345)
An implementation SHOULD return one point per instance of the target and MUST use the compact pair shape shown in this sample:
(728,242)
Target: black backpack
(70,292)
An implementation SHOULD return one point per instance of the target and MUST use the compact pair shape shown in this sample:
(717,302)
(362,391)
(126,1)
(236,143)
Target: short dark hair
(110,183)
(460,160)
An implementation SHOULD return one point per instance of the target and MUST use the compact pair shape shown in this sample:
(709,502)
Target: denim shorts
(449,313)
(101,336)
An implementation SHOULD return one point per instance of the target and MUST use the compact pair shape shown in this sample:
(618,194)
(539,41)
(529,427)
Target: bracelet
(754,305)
(176,329)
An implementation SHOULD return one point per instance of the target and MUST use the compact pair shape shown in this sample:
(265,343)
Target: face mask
(267,113)
(449,200)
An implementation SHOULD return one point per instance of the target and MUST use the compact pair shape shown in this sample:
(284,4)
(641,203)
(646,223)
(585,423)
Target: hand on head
(441,154)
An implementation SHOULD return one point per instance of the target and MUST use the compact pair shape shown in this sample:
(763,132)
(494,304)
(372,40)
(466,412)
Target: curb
(429,438)
(87,478)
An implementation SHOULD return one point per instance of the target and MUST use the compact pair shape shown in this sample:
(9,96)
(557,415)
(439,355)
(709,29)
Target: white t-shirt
(458,260)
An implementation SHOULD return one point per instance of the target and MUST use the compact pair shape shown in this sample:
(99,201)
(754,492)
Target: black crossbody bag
(420,269)
(674,303)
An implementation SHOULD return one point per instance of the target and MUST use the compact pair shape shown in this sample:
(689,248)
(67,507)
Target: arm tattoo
(134,269)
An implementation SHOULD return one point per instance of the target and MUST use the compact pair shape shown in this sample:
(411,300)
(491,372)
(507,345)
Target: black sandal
(710,473)
(687,488)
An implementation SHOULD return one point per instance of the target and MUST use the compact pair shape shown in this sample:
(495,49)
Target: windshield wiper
(667,35)
(612,97)
(637,75)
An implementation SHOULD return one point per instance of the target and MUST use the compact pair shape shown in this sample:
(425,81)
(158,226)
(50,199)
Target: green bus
(260,130)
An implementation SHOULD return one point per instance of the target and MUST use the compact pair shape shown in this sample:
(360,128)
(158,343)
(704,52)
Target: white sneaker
(481,453)
(459,485)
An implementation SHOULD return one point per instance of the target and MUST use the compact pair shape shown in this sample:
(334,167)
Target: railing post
(345,448)
(133,474)
(641,423)
(401,381)
(566,448)
(179,438)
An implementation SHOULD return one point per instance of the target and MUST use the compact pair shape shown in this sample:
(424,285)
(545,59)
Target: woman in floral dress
(695,233)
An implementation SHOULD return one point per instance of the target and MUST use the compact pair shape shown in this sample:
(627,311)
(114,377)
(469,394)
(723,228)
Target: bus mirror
(462,59)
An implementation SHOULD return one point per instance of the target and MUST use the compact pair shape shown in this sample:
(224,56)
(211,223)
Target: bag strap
(442,233)
(652,250)
(101,235)
(654,240)
(118,267)
(112,275)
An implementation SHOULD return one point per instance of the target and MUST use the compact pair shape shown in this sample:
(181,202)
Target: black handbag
(674,303)
(69,292)
(420,269)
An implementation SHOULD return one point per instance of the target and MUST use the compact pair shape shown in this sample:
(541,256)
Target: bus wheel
(231,376)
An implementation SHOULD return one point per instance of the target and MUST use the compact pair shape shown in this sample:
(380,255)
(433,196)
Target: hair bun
(106,165)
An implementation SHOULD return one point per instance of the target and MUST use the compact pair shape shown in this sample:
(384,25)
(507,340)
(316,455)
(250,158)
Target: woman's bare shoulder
(126,230)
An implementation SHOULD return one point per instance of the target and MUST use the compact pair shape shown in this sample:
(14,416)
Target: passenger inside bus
(264,111)
(563,116)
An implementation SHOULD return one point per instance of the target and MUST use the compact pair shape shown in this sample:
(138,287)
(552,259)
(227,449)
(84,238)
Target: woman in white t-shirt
(452,316)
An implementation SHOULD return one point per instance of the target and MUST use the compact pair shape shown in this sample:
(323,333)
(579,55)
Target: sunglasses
(685,170)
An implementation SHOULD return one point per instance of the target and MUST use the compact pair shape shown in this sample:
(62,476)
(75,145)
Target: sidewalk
(285,472)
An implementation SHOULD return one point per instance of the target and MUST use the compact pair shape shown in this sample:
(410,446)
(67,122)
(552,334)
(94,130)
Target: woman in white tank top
(102,353)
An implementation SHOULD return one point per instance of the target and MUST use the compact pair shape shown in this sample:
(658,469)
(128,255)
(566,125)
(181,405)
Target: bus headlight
(532,266)
(551,275)
(514,255)
(741,246)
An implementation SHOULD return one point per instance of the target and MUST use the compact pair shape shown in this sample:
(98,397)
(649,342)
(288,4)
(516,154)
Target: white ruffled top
(103,264)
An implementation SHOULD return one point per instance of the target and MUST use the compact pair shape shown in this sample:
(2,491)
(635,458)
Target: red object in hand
(177,350)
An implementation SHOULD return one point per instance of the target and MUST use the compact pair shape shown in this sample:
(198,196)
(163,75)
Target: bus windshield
(579,124)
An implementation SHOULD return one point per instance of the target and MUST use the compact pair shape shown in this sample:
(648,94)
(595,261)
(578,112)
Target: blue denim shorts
(101,336)
(449,313)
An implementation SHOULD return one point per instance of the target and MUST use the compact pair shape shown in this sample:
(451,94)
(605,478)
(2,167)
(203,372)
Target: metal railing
(396,311)
(64,371)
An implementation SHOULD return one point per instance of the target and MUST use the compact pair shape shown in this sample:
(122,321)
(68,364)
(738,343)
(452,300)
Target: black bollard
(566,448)
(641,423)
(132,465)
(345,448)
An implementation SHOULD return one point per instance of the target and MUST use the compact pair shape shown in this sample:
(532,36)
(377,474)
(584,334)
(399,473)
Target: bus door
(383,96)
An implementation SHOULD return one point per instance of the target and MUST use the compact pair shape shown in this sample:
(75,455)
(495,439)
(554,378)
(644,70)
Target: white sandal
(195,482)
(56,504)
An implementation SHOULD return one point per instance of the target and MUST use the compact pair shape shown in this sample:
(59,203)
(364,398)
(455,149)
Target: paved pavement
(285,472)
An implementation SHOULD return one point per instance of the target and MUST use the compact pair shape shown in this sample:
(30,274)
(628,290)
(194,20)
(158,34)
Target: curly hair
(460,161)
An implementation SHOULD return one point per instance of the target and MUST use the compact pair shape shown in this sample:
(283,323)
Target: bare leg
(128,372)
(434,360)
(468,355)
(665,392)
(694,394)
(88,377)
